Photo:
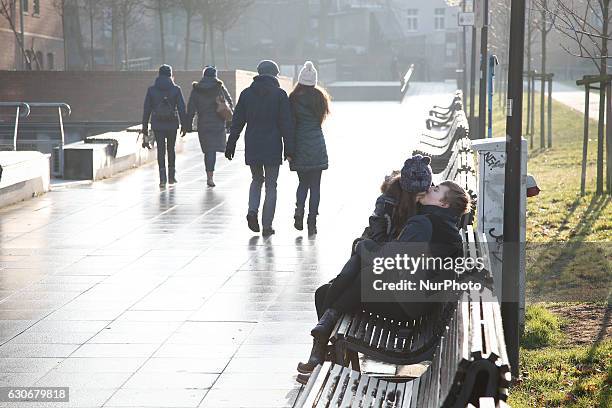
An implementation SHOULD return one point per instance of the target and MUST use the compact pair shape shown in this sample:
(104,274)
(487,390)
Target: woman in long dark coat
(310,105)
(211,127)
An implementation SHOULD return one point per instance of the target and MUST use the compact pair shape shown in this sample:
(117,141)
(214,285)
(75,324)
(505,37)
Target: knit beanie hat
(267,67)
(308,74)
(165,70)
(416,174)
(209,71)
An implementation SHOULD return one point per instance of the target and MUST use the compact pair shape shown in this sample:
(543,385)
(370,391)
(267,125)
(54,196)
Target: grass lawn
(566,350)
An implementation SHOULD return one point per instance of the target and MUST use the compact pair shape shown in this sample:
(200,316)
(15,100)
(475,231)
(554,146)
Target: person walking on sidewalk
(204,100)
(265,110)
(310,107)
(164,105)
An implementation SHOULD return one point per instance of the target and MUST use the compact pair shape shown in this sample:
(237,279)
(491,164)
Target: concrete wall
(104,96)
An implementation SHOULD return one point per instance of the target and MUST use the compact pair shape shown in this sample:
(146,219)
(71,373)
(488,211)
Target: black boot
(252,222)
(312,225)
(298,219)
(162,177)
(172,175)
(317,356)
(326,324)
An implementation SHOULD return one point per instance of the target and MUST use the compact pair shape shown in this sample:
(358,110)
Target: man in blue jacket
(264,108)
(161,104)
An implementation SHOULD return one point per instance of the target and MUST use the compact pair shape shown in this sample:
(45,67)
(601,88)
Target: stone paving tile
(164,298)
(154,397)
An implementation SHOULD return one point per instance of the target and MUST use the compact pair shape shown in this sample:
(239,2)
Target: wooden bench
(445,110)
(465,344)
(469,363)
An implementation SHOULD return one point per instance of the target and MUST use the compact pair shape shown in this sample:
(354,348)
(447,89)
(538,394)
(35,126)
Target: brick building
(42,33)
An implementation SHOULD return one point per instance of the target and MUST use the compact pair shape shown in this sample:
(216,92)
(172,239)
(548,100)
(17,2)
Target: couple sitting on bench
(410,210)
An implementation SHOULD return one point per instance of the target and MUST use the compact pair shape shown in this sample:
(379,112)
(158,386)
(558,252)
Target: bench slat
(329,388)
(475,329)
(492,347)
(312,390)
(381,393)
(341,387)
(370,392)
(360,393)
(351,389)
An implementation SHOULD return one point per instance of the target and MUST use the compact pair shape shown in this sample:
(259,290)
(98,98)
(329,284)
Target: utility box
(490,214)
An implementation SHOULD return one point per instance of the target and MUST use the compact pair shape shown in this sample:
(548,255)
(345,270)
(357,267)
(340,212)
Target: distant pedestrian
(203,101)
(310,106)
(164,105)
(264,108)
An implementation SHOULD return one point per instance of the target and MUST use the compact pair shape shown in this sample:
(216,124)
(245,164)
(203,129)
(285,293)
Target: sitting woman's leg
(341,295)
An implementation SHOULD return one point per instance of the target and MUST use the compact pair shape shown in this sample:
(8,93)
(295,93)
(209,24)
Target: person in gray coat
(310,106)
(211,128)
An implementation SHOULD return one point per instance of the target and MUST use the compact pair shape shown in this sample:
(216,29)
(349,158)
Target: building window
(39,58)
(50,61)
(26,6)
(439,14)
(35,7)
(412,19)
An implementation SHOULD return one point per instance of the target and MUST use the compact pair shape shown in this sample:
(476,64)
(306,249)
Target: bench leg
(353,356)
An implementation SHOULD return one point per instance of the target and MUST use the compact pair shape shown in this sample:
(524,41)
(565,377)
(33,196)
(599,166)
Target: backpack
(165,110)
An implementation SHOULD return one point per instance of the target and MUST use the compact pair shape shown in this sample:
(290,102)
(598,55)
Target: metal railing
(63,109)
(22,109)
(406,81)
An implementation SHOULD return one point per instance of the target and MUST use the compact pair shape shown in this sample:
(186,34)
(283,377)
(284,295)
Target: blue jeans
(309,180)
(210,158)
(268,175)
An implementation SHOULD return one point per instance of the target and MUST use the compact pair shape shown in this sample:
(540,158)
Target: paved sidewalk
(573,97)
(136,297)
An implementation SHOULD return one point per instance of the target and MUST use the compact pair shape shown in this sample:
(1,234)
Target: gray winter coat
(202,101)
(310,151)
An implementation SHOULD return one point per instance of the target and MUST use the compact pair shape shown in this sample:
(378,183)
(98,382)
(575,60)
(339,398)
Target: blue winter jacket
(164,86)
(264,108)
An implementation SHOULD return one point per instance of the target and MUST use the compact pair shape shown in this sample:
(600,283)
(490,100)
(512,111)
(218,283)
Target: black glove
(145,131)
(229,152)
(184,131)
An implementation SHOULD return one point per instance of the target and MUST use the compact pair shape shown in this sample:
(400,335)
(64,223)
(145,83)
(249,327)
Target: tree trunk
(211,31)
(114,35)
(187,40)
(529,90)
(126,54)
(204,42)
(608,139)
(602,99)
(543,81)
(225,60)
(91,36)
(162,45)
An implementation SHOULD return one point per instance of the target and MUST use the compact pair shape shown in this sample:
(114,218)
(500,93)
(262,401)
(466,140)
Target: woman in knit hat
(421,213)
(310,105)
(211,127)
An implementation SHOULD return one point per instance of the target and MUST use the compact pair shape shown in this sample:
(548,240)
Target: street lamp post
(512,186)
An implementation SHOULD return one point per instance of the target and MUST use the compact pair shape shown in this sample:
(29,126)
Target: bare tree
(544,23)
(159,7)
(587,26)
(129,13)
(206,9)
(226,15)
(8,12)
(189,6)
(93,10)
